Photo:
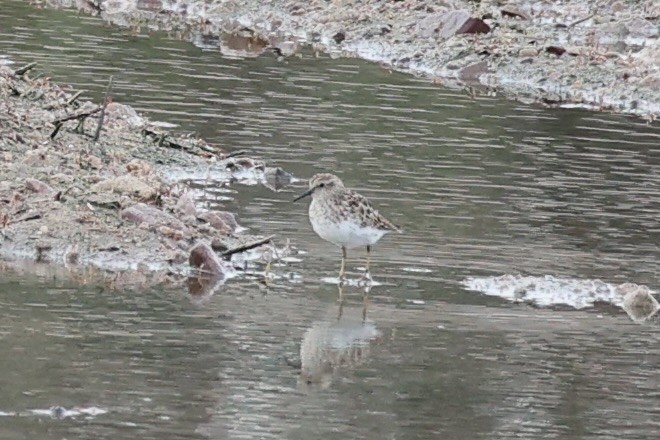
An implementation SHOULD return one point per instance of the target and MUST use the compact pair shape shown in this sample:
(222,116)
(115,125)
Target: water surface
(481,186)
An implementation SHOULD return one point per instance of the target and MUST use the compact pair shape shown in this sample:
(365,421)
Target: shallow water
(481,187)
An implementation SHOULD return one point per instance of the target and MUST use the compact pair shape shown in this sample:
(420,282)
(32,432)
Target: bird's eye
(321,185)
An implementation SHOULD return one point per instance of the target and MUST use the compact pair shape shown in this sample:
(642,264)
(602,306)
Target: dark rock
(556,50)
(42,247)
(203,258)
(474,26)
(339,37)
(104,200)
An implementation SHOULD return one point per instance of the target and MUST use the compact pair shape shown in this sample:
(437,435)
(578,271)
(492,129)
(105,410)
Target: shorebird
(344,217)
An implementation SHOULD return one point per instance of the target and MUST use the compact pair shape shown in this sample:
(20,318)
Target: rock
(339,37)
(235,164)
(276,178)
(93,162)
(42,247)
(242,45)
(38,186)
(152,217)
(528,52)
(203,258)
(641,28)
(219,245)
(214,220)
(126,184)
(174,234)
(617,6)
(71,255)
(638,302)
(652,80)
(431,24)
(115,112)
(186,205)
(286,48)
(178,257)
(512,11)
(555,50)
(104,200)
(139,168)
(451,22)
(229,218)
(473,71)
(474,26)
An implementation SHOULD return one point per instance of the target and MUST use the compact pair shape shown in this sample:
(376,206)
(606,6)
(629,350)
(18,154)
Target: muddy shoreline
(122,205)
(601,55)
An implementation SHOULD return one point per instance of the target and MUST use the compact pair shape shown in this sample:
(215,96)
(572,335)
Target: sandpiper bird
(344,217)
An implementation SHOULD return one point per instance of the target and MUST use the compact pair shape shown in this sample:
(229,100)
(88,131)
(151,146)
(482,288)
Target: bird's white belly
(347,234)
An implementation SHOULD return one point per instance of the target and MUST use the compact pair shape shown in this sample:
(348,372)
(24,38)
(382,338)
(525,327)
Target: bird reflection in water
(329,347)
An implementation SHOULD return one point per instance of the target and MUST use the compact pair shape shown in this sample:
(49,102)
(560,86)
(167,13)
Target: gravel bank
(122,204)
(602,54)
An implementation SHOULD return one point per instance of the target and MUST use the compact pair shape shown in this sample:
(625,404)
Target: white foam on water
(59,412)
(548,290)
(416,269)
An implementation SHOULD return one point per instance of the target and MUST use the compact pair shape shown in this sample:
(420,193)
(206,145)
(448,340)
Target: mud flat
(121,205)
(602,55)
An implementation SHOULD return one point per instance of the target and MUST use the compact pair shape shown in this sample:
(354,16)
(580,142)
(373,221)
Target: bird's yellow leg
(343,264)
(365,302)
(367,274)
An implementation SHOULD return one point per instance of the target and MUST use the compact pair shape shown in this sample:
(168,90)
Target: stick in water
(102,115)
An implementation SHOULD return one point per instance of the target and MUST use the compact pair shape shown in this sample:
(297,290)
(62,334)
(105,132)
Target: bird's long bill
(305,194)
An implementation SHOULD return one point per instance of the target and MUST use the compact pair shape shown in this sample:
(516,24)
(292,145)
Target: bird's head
(321,183)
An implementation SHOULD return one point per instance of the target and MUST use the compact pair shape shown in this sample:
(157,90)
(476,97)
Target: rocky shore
(121,205)
(602,55)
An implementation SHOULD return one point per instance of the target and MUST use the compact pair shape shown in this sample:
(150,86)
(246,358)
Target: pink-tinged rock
(215,221)
(473,71)
(186,204)
(221,220)
(229,218)
(203,258)
(451,22)
(152,217)
(38,186)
